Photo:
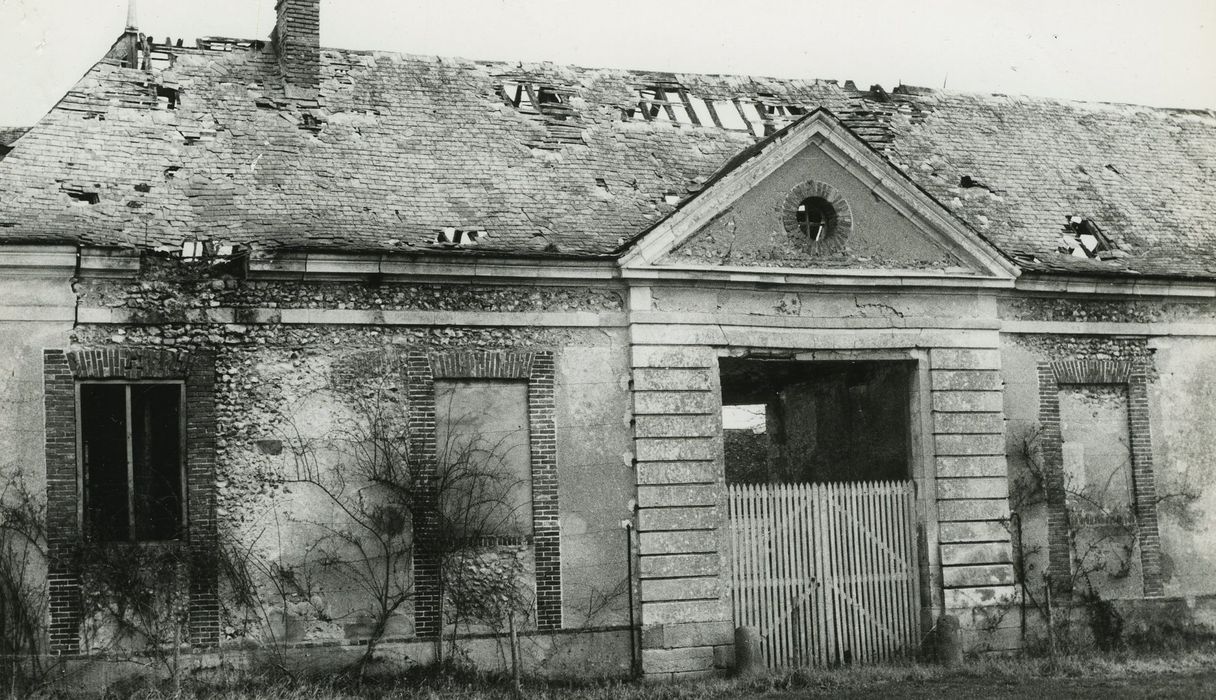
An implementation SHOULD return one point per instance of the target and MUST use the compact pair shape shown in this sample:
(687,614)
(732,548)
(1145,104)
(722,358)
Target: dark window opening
(815,217)
(131,454)
(816,422)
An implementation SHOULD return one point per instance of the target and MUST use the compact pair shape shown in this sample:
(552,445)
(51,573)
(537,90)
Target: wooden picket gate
(826,572)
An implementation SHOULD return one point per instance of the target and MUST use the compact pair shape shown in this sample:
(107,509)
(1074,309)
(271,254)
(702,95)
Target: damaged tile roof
(9,134)
(411,153)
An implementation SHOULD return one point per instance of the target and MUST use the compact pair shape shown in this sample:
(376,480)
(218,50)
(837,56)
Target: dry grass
(468,686)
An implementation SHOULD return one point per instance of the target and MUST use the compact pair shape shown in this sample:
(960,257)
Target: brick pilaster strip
(62,504)
(543,443)
(420,391)
(1144,484)
(202,530)
(1059,557)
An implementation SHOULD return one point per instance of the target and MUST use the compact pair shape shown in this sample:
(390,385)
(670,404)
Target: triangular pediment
(816,198)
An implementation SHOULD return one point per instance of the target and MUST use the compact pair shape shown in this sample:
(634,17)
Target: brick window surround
(65,534)
(1133,377)
(537,368)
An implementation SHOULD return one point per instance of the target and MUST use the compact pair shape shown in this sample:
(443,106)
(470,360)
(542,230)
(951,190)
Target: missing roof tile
(967,182)
(537,98)
(1083,238)
(313,123)
(168,97)
(82,195)
(460,237)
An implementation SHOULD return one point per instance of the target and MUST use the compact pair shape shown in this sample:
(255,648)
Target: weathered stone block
(675,402)
(684,495)
(701,425)
(676,449)
(658,473)
(976,576)
(966,487)
(965,380)
(980,531)
(972,465)
(675,565)
(703,588)
(677,660)
(987,444)
(955,358)
(962,599)
(699,518)
(685,611)
(968,401)
(967,423)
(673,356)
(678,542)
(975,509)
(967,553)
(689,379)
(695,634)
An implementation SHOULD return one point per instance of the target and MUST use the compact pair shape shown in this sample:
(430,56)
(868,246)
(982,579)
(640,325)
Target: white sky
(1157,52)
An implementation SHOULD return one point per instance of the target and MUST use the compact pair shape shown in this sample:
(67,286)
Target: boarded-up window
(1098,485)
(131,444)
(482,438)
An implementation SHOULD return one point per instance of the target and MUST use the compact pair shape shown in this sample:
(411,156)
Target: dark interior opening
(815,216)
(132,459)
(788,421)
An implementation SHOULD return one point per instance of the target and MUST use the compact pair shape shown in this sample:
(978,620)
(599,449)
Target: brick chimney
(297,41)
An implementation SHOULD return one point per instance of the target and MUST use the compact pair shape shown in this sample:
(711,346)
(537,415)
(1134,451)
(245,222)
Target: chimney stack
(297,41)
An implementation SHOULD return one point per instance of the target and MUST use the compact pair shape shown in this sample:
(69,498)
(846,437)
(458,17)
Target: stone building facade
(250,237)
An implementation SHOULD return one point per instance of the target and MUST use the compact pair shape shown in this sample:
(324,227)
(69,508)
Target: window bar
(130,471)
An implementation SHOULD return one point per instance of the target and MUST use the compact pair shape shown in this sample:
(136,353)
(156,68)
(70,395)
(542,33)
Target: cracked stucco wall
(1182,413)
(268,375)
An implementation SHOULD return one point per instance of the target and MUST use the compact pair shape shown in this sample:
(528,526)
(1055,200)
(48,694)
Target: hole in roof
(601,183)
(167,96)
(967,182)
(536,98)
(815,217)
(1083,238)
(666,104)
(460,237)
(82,196)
